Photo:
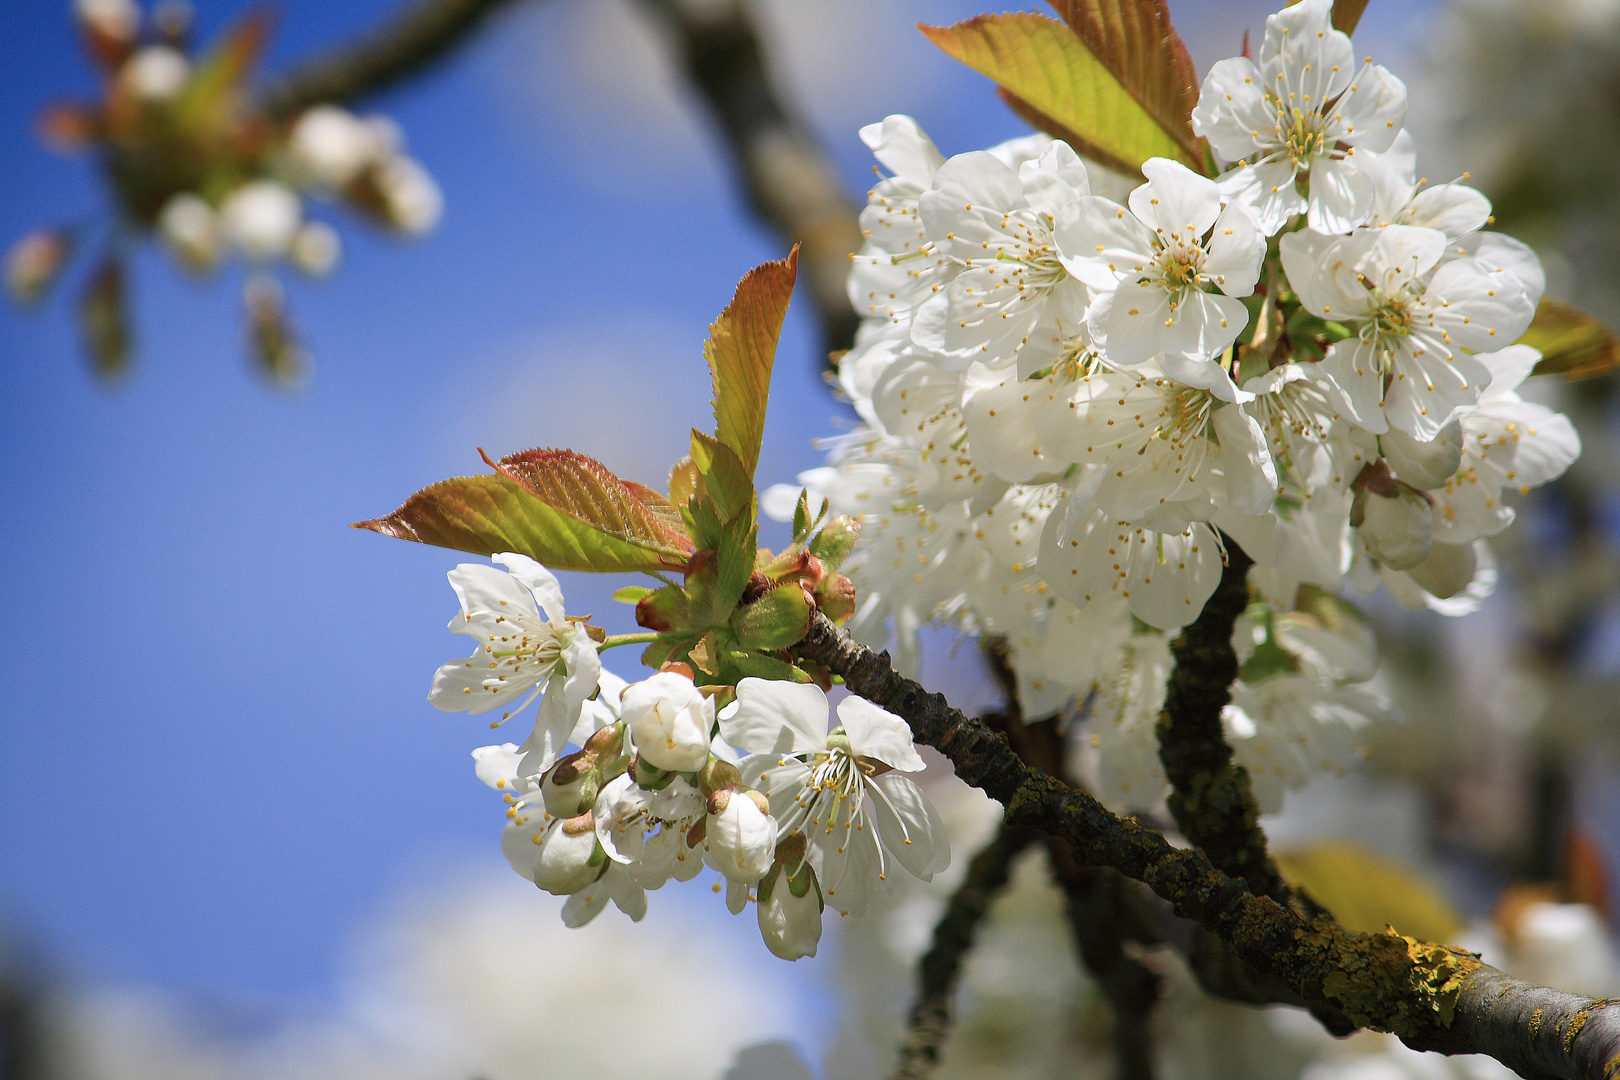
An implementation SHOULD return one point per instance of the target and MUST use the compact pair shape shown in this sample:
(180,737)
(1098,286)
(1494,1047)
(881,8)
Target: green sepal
(760,666)
(665,609)
(631,594)
(835,541)
(776,620)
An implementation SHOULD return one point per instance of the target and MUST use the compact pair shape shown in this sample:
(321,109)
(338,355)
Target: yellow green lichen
(1576,1022)
(1535,1023)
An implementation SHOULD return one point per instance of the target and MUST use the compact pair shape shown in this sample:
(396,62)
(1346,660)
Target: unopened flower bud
(571,785)
(315,248)
(117,19)
(34,263)
(155,74)
(607,743)
(790,912)
(1424,465)
(1397,528)
(669,721)
(647,775)
(740,836)
(835,596)
(261,218)
(1447,570)
(192,230)
(411,199)
(570,858)
(329,146)
(717,776)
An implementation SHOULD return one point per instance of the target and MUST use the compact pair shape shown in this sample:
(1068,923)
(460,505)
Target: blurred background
(236,841)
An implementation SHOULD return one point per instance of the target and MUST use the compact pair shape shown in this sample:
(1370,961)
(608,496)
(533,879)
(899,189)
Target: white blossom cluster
(327,153)
(1069,402)
(792,816)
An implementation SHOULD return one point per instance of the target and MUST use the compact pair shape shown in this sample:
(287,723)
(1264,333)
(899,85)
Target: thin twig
(789,181)
(1431,996)
(411,41)
(940,969)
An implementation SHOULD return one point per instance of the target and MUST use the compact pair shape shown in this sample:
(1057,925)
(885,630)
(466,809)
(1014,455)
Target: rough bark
(1432,996)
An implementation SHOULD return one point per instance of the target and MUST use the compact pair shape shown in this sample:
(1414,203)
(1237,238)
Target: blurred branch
(790,183)
(941,966)
(425,32)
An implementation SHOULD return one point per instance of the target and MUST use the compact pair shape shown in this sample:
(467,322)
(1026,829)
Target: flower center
(1389,320)
(1302,134)
(1179,265)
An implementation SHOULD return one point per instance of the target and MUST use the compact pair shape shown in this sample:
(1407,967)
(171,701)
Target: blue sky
(217,762)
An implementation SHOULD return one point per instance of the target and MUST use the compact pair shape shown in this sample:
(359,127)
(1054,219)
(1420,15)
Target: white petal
(1372,111)
(1203,326)
(1176,199)
(879,734)
(585,905)
(485,594)
(1341,195)
(1130,322)
(1236,250)
(1251,478)
(460,686)
(904,149)
(1232,107)
(497,766)
(1353,366)
(905,814)
(538,580)
(777,717)
(1100,243)
(1054,180)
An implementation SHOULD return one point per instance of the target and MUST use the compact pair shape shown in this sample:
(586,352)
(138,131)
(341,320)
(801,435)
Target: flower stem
(615,640)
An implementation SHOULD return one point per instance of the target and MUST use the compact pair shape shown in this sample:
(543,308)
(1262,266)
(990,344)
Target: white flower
(838,788)
(898,266)
(192,230)
(1508,444)
(646,831)
(411,197)
(789,912)
(116,19)
(155,74)
(1290,116)
(1413,315)
(1289,726)
(315,248)
(1123,719)
(526,647)
(261,218)
(1424,465)
(1152,267)
(329,146)
(561,857)
(739,838)
(670,721)
(1013,298)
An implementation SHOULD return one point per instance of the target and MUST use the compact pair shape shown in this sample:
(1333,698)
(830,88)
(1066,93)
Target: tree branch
(1431,996)
(789,181)
(423,33)
(1211,798)
(940,969)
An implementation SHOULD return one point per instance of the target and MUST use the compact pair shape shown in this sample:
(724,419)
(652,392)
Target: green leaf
(724,481)
(1366,892)
(1050,76)
(715,579)
(1572,343)
(801,518)
(1347,13)
(209,95)
(631,594)
(585,489)
(776,620)
(490,514)
(765,667)
(741,350)
(835,541)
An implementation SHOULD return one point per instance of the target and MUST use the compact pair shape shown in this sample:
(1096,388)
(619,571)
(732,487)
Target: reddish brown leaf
(741,350)
(586,489)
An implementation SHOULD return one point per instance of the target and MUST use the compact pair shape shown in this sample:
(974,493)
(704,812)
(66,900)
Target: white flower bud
(411,198)
(790,913)
(1424,465)
(112,18)
(329,146)
(571,785)
(315,248)
(261,218)
(192,230)
(669,721)
(155,74)
(740,837)
(568,859)
(1397,528)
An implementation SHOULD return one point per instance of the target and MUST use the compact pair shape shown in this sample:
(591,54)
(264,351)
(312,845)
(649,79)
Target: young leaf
(631,594)
(1052,79)
(835,541)
(221,73)
(801,518)
(741,350)
(584,488)
(1135,41)
(682,482)
(1366,892)
(776,620)
(1347,13)
(726,481)
(490,514)
(1572,343)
